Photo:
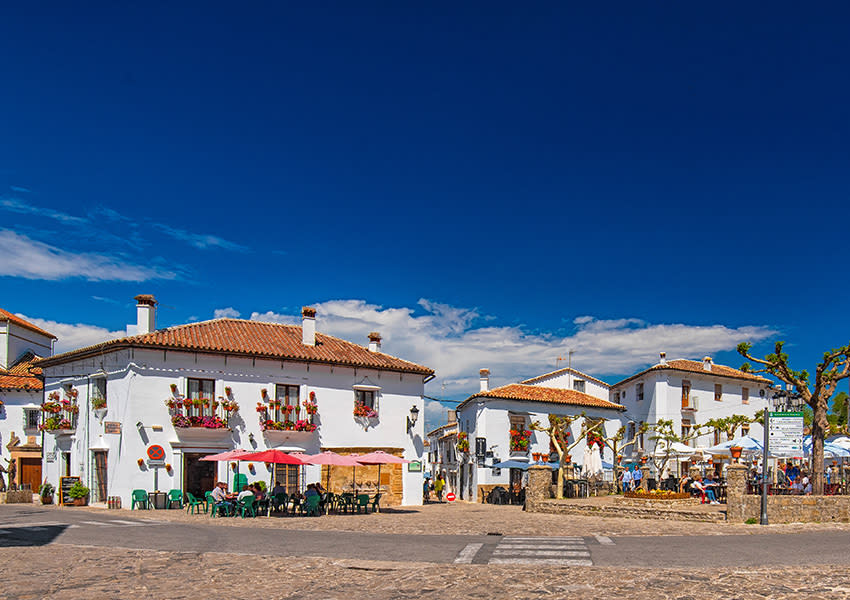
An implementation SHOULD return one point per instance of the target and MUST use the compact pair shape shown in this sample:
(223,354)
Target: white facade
(572,379)
(488,422)
(138,383)
(443,455)
(687,397)
(21,395)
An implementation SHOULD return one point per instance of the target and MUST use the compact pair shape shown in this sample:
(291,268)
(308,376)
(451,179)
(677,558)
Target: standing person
(636,477)
(438,487)
(627,480)
(426,490)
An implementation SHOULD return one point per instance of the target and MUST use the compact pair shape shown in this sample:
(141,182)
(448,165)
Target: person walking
(426,490)
(438,487)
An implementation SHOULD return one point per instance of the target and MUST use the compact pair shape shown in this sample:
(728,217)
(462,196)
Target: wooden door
(29,470)
(100,475)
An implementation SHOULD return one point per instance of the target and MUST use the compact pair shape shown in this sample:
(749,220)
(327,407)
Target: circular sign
(450,497)
(156,452)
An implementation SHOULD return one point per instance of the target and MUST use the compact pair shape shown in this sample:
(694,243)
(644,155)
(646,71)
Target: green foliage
(46,490)
(78,490)
(751,521)
(837,416)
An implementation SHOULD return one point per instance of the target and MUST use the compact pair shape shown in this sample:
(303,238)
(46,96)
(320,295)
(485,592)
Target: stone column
(644,471)
(694,473)
(539,480)
(736,489)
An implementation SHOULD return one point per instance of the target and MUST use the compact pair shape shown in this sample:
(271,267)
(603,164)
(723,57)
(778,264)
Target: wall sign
(414,466)
(156,453)
(112,427)
(50,457)
(65,485)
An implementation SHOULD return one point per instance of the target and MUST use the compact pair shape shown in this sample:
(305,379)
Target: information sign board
(785,434)
(65,485)
(113,427)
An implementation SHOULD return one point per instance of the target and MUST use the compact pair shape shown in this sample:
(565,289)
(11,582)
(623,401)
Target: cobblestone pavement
(476,519)
(82,573)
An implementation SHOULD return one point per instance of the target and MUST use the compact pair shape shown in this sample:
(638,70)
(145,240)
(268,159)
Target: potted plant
(79,493)
(46,492)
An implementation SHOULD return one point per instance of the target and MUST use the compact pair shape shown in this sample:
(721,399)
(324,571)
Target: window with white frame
(365,397)
(639,391)
(578,385)
(718,392)
(745,395)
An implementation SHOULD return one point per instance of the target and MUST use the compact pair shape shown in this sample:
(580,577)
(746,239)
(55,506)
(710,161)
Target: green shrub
(78,490)
(751,521)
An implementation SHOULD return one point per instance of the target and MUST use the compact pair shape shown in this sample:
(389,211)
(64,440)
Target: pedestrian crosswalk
(21,528)
(561,551)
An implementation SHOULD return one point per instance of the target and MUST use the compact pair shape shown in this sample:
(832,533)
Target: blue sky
(489,184)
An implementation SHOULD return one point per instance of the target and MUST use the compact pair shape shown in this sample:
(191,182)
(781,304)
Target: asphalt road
(23,525)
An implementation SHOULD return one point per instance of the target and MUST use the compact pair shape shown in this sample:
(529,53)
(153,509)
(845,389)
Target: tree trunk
(819,426)
(559,488)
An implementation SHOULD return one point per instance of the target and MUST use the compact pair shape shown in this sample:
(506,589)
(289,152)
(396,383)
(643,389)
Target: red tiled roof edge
(559,371)
(376,360)
(534,393)
(22,375)
(695,366)
(5,315)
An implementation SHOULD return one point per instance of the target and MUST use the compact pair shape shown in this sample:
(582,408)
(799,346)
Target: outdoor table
(158,500)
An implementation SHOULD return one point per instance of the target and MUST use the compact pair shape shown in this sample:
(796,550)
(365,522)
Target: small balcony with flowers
(59,414)
(285,419)
(201,418)
(520,441)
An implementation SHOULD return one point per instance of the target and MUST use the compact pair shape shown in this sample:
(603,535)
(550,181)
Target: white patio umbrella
(748,444)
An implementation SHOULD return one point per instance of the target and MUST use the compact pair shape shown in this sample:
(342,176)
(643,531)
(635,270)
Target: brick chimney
(308,326)
(484,376)
(706,363)
(145,314)
(662,358)
(374,342)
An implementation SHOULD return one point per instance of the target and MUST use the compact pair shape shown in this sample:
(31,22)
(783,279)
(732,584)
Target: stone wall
(17,497)
(741,506)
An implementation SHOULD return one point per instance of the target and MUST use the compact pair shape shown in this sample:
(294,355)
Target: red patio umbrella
(275,456)
(229,455)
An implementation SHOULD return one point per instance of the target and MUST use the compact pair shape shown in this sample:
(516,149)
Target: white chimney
(145,314)
(308,326)
(662,358)
(484,375)
(706,363)
(374,342)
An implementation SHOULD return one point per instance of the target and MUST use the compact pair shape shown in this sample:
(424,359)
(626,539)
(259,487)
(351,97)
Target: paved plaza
(435,550)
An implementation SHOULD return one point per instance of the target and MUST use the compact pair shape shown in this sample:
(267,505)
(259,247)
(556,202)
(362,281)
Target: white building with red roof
(689,393)
(486,420)
(21,344)
(207,387)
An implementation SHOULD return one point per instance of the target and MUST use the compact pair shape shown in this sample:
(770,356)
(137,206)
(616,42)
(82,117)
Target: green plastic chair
(296,504)
(140,498)
(363,502)
(175,496)
(280,501)
(311,506)
(376,507)
(247,505)
(193,505)
(327,502)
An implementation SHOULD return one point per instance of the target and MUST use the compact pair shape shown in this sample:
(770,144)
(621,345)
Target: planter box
(275,437)
(58,432)
(79,501)
(202,434)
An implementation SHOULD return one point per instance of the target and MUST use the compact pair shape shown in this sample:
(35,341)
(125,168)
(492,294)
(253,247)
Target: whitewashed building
(488,417)
(21,344)
(207,387)
(443,455)
(689,393)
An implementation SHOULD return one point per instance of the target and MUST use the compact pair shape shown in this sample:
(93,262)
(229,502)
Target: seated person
(278,489)
(246,491)
(220,496)
(685,484)
(259,494)
(806,484)
(311,491)
(319,488)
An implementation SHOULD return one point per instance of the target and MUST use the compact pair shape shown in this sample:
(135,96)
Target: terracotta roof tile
(252,338)
(21,375)
(536,393)
(695,366)
(5,315)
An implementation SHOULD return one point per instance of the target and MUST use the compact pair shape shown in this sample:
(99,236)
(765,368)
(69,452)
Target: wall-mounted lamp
(140,425)
(411,420)
(251,437)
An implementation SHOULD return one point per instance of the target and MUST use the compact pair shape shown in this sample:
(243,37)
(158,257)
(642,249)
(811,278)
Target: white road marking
(542,540)
(4,531)
(604,540)
(499,551)
(568,562)
(100,523)
(466,555)
(129,523)
(544,546)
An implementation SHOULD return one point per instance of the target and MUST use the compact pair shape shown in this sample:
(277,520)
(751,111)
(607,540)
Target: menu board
(65,485)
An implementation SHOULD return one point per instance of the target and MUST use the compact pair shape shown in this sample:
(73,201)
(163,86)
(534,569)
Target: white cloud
(451,341)
(72,336)
(26,208)
(229,312)
(30,259)
(202,241)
